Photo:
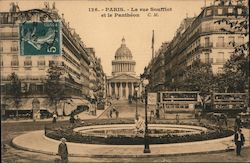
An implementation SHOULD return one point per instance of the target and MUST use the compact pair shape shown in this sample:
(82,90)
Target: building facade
(97,77)
(32,70)
(202,38)
(123,81)
(157,69)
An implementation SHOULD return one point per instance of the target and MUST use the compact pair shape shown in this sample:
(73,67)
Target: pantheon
(123,81)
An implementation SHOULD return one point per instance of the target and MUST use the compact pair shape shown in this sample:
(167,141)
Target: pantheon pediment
(124,77)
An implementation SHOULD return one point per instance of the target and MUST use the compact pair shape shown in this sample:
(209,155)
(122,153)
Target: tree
(235,77)
(15,90)
(199,78)
(54,87)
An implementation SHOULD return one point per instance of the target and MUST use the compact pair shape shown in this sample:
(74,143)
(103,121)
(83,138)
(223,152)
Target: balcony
(224,45)
(209,60)
(8,35)
(206,46)
(220,61)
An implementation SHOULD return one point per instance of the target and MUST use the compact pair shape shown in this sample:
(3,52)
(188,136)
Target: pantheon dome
(123,52)
(123,62)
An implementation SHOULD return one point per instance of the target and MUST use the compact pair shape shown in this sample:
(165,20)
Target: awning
(26,104)
(72,104)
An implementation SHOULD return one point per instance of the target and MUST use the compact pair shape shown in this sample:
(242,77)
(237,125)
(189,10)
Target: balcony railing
(209,60)
(220,61)
(207,45)
(7,35)
(224,45)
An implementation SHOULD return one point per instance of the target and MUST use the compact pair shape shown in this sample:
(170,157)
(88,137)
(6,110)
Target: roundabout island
(117,138)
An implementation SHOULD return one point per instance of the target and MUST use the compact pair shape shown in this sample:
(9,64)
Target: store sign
(40,38)
(152,98)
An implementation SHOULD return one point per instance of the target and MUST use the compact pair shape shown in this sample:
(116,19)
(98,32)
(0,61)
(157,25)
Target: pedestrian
(54,117)
(117,114)
(177,118)
(72,119)
(63,151)
(239,141)
(110,113)
(199,117)
(78,119)
(151,115)
(225,119)
(237,123)
(157,114)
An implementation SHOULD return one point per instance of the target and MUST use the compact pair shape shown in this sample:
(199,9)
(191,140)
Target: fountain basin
(128,130)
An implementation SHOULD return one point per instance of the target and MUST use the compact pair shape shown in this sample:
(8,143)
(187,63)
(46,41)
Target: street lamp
(146,139)
(136,92)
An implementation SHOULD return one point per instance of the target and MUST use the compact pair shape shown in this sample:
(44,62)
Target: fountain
(132,133)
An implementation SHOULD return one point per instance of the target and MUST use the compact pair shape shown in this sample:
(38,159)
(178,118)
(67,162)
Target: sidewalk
(82,116)
(64,118)
(37,142)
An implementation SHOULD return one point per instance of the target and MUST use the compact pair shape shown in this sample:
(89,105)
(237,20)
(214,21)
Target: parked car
(79,109)
(45,114)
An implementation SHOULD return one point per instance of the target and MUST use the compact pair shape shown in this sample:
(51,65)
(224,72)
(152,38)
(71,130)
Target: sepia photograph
(124,81)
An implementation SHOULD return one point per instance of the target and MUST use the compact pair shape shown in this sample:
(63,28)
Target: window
(1,46)
(241,40)
(41,63)
(220,11)
(209,12)
(40,88)
(14,61)
(231,41)
(230,10)
(14,46)
(208,59)
(51,63)
(27,62)
(206,27)
(239,10)
(206,41)
(220,70)
(1,60)
(220,58)
(220,42)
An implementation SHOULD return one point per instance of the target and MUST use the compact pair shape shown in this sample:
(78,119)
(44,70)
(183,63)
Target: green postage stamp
(40,38)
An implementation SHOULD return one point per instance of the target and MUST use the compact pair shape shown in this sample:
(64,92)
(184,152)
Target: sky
(104,34)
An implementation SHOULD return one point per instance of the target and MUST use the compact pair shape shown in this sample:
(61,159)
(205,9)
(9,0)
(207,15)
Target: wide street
(13,129)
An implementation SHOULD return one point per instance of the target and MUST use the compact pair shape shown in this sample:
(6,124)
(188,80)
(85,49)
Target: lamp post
(146,141)
(136,109)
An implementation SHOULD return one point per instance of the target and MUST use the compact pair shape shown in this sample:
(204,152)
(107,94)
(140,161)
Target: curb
(116,156)
(142,155)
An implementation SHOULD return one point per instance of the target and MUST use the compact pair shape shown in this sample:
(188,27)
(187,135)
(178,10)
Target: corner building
(201,38)
(32,70)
